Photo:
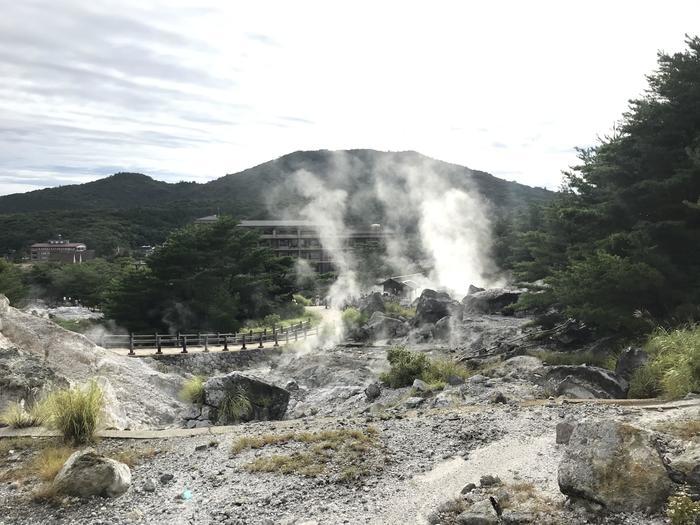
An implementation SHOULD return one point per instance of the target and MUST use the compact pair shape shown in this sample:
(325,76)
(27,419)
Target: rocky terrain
(506,443)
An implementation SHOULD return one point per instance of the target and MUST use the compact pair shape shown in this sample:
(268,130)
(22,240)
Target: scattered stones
(480,513)
(468,488)
(413,402)
(87,474)
(498,397)
(420,386)
(149,485)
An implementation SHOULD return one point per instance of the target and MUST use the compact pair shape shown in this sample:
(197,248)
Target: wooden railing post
(206,342)
(260,340)
(184,344)
(287,335)
(243,346)
(305,329)
(158,345)
(131,344)
(226,343)
(274,334)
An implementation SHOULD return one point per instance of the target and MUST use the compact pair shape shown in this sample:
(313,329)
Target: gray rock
(87,474)
(474,289)
(480,513)
(489,481)
(166,478)
(433,306)
(614,465)
(443,328)
(373,391)
(192,412)
(477,379)
(413,402)
(685,468)
(24,376)
(292,386)
(520,366)
(564,430)
(581,382)
(149,485)
(491,301)
(381,326)
(630,360)
(468,488)
(498,397)
(267,401)
(204,423)
(371,303)
(420,385)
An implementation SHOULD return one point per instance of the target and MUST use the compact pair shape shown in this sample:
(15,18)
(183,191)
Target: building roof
(279,222)
(59,244)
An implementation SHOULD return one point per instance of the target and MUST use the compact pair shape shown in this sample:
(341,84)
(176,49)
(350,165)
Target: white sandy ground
(511,459)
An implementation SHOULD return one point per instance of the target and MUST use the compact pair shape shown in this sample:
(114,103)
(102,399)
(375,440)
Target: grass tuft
(406,366)
(76,412)
(394,308)
(192,390)
(50,461)
(673,369)
(236,406)
(16,416)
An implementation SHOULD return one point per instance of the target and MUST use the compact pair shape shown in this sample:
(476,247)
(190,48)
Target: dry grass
(49,461)
(76,412)
(133,457)
(16,415)
(192,390)
(16,443)
(688,429)
(345,453)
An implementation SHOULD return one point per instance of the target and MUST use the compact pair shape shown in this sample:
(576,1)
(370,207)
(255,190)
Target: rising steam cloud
(420,202)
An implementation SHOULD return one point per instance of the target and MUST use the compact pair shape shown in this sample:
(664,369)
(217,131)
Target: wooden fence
(136,342)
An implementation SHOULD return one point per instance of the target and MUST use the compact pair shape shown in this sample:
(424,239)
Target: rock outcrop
(237,397)
(581,382)
(630,360)
(24,376)
(87,474)
(433,306)
(381,326)
(370,304)
(614,465)
(491,301)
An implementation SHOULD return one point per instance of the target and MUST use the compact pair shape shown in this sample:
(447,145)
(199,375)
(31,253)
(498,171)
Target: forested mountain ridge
(129,209)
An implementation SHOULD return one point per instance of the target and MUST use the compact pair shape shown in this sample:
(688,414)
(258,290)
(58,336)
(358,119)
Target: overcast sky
(187,90)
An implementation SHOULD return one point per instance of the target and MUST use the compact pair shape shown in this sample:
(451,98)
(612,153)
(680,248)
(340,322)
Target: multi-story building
(60,250)
(303,240)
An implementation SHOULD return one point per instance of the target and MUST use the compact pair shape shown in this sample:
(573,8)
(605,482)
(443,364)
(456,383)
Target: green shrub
(76,412)
(352,318)
(236,406)
(16,416)
(392,307)
(406,366)
(682,510)
(300,299)
(271,320)
(673,369)
(192,390)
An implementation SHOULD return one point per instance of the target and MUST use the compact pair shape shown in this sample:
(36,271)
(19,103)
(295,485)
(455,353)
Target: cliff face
(47,356)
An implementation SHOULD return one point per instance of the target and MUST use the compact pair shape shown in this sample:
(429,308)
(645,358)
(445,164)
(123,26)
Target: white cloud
(189,90)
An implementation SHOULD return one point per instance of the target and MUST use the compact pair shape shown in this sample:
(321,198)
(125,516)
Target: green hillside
(131,209)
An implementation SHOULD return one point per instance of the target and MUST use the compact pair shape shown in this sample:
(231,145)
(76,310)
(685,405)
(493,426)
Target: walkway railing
(137,342)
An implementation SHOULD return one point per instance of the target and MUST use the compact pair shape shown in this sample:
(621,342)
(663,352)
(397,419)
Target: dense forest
(619,247)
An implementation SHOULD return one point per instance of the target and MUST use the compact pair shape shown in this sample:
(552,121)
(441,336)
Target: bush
(192,390)
(407,366)
(16,416)
(76,412)
(392,307)
(300,299)
(682,510)
(673,369)
(352,319)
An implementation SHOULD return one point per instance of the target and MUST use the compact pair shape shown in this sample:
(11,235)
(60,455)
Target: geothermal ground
(401,457)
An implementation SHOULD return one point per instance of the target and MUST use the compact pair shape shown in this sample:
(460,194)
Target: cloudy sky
(191,90)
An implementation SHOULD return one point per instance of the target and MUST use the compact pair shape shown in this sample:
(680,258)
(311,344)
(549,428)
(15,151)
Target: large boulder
(685,468)
(491,301)
(433,306)
(370,304)
(381,326)
(86,474)
(614,465)
(581,382)
(24,376)
(629,361)
(265,401)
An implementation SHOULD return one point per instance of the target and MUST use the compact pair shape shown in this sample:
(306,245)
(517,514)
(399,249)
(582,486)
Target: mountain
(130,209)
